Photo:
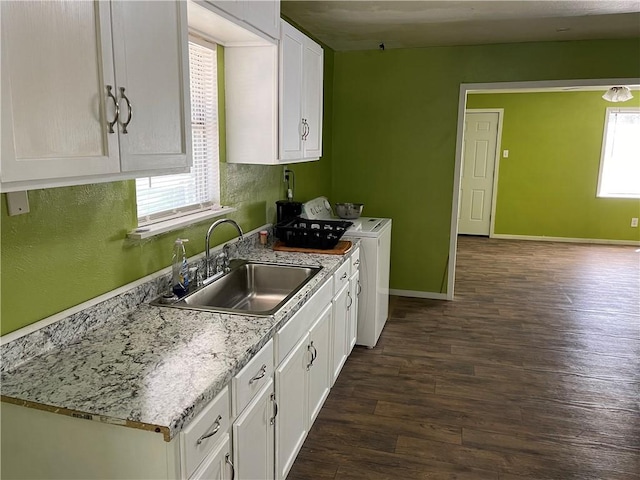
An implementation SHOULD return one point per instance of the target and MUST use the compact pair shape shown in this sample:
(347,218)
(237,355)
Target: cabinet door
(291,393)
(312,99)
(253,437)
(56,65)
(339,332)
(152,66)
(291,65)
(264,15)
(320,368)
(354,292)
(218,465)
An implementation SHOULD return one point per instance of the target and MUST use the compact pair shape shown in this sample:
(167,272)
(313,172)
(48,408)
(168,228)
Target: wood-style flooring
(532,372)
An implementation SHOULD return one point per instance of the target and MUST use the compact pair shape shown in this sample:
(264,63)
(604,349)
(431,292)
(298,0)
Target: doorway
(478,189)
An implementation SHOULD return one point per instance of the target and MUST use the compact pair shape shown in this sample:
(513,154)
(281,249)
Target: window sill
(159,228)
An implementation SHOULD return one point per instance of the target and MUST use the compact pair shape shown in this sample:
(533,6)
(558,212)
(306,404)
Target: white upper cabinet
(152,75)
(301,83)
(65,119)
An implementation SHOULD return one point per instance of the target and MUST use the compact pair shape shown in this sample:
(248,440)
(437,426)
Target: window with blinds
(620,161)
(171,196)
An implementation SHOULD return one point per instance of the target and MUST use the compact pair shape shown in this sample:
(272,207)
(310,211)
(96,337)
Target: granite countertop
(155,368)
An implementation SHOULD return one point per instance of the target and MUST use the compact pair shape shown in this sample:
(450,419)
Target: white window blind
(170,196)
(620,161)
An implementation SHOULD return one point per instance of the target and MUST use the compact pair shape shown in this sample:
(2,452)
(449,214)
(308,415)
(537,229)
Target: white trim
(495,87)
(600,241)
(418,294)
(28,329)
(148,231)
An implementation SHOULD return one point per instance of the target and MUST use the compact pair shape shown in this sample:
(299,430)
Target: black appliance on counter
(287,210)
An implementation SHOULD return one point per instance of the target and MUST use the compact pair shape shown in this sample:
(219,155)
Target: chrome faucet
(222,256)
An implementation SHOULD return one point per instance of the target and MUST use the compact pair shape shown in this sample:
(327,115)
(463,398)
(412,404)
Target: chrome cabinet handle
(314,355)
(306,133)
(117,107)
(357,262)
(216,427)
(233,469)
(261,374)
(359,288)
(126,99)
(350,300)
(303,129)
(272,421)
(344,275)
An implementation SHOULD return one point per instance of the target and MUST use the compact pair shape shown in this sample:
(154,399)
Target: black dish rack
(304,233)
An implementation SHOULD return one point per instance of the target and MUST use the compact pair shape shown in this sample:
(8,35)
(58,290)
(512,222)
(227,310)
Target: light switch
(505,154)
(17,203)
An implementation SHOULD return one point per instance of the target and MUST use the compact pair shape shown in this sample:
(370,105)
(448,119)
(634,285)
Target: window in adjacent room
(620,160)
(172,196)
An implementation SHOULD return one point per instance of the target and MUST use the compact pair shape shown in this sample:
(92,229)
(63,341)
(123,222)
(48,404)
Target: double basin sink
(250,288)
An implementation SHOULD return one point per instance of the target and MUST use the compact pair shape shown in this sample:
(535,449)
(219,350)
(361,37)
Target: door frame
(496,162)
(503,87)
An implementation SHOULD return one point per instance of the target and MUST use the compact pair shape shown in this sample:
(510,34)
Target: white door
(340,324)
(320,368)
(291,394)
(291,65)
(253,438)
(478,165)
(153,69)
(312,100)
(57,67)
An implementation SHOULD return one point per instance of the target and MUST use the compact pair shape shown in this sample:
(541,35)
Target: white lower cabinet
(302,386)
(352,328)
(218,465)
(339,333)
(253,437)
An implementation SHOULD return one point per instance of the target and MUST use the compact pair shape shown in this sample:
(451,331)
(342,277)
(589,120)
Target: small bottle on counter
(180,270)
(264,235)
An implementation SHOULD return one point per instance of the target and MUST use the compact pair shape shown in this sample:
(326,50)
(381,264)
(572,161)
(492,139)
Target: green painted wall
(394,131)
(72,246)
(547,186)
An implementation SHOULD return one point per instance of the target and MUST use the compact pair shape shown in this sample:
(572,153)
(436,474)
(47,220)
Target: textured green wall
(547,186)
(394,131)
(72,246)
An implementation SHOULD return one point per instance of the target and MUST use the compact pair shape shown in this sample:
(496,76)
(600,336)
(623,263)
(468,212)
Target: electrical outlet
(634,222)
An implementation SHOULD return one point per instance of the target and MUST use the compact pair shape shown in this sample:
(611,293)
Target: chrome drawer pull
(357,262)
(350,300)
(261,374)
(344,275)
(359,288)
(233,469)
(216,427)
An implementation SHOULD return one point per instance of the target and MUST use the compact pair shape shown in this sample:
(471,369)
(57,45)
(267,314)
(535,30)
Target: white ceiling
(363,25)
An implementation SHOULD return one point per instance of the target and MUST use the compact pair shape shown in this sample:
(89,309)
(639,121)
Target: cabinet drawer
(252,378)
(218,464)
(341,277)
(288,336)
(355,261)
(203,433)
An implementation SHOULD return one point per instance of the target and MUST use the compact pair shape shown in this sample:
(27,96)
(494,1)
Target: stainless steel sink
(250,288)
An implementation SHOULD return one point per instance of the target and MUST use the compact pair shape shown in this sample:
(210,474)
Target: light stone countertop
(155,368)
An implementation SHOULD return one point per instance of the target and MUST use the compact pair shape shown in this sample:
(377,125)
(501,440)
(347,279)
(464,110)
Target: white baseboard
(418,294)
(543,238)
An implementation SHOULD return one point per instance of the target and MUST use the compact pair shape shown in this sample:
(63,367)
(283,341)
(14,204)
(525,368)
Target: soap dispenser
(180,270)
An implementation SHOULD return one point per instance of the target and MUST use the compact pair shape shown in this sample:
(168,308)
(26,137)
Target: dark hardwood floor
(533,372)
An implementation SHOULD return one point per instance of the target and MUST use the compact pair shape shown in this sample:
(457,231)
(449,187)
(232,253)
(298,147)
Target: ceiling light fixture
(617,94)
